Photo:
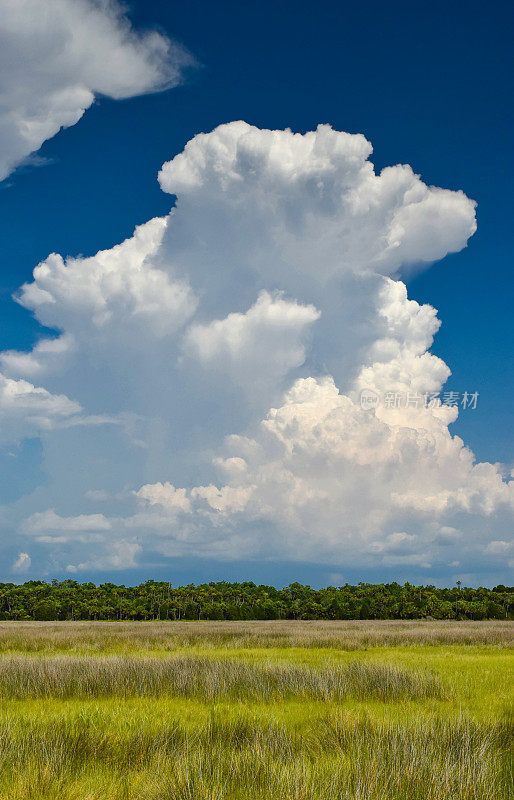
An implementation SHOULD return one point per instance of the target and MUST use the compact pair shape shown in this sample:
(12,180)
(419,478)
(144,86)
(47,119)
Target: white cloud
(121,555)
(277,269)
(44,357)
(312,201)
(165,494)
(28,410)
(97,495)
(399,357)
(240,344)
(57,55)
(22,563)
(340,479)
(446,534)
(50,522)
(112,294)
(300,222)
(499,548)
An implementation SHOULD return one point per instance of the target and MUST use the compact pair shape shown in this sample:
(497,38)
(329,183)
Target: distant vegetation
(158,600)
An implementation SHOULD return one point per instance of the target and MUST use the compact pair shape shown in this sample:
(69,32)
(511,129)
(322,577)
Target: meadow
(256,711)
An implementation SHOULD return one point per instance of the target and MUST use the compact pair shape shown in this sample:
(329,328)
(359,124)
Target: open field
(256,711)
(103,637)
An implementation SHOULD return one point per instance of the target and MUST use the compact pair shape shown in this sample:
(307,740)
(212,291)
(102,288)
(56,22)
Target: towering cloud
(234,341)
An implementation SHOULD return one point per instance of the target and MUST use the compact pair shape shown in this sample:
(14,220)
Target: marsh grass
(189,711)
(101,637)
(243,759)
(24,677)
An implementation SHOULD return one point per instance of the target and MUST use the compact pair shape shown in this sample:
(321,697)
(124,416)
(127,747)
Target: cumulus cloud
(121,555)
(45,356)
(22,563)
(339,477)
(49,522)
(499,547)
(240,344)
(240,332)
(165,494)
(312,200)
(57,56)
(113,292)
(50,528)
(501,551)
(399,358)
(27,410)
(270,229)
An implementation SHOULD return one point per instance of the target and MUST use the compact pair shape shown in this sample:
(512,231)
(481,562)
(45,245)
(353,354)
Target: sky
(188,405)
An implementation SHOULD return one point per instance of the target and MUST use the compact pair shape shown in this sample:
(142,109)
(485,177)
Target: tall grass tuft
(65,677)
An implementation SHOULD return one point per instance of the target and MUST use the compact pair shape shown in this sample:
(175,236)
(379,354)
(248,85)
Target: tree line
(222,600)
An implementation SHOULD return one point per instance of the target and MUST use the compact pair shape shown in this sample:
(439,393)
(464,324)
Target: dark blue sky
(428,84)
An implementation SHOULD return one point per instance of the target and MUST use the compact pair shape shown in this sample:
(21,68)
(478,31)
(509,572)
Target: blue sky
(428,86)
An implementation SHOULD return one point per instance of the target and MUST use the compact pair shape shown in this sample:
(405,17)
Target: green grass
(102,713)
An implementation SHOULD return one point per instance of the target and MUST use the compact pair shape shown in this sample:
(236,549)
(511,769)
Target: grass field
(256,711)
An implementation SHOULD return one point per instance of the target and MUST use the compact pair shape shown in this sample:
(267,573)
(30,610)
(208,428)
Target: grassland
(256,711)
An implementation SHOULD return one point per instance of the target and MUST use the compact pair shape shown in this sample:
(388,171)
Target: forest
(159,600)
